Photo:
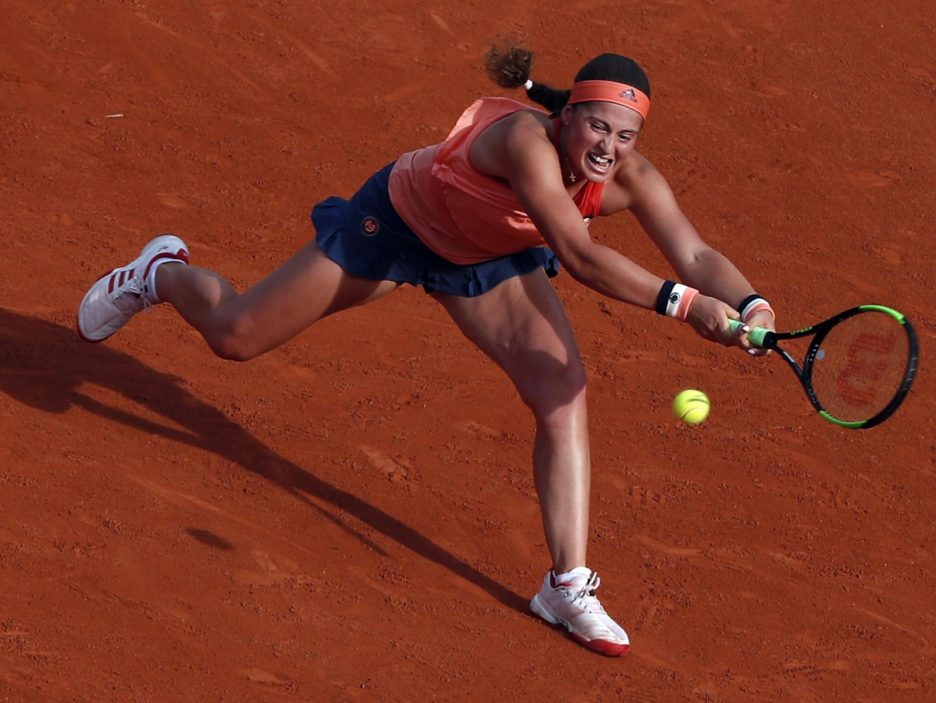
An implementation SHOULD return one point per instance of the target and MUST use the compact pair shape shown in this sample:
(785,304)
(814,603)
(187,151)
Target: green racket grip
(758,336)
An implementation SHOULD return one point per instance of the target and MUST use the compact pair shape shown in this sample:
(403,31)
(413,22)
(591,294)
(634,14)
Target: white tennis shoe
(122,293)
(573,604)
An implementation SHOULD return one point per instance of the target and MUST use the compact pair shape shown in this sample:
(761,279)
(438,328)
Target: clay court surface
(352,517)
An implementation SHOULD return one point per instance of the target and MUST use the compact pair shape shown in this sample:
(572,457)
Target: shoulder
(638,174)
(495,122)
(521,136)
(524,123)
(634,183)
(488,110)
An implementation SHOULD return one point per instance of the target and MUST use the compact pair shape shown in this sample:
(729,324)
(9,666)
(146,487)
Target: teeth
(600,160)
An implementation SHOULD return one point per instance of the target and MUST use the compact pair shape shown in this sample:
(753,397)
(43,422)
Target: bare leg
(305,289)
(521,325)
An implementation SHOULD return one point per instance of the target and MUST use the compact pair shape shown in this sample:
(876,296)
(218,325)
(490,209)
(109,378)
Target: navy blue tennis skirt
(367,238)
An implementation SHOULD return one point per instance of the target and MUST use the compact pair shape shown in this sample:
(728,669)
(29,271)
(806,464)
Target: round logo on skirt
(370,226)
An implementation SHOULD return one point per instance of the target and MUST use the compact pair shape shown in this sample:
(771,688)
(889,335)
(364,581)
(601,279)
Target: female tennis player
(482,221)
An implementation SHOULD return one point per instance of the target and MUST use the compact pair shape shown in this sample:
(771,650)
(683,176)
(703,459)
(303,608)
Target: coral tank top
(463,215)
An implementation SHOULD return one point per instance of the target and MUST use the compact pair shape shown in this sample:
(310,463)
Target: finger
(741,337)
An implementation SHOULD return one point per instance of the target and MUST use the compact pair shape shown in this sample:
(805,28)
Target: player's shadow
(44,364)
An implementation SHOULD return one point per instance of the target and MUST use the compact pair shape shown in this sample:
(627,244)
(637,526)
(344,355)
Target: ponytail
(509,67)
(550,98)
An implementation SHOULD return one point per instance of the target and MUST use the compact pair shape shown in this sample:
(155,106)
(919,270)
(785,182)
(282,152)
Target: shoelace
(134,287)
(585,597)
(147,305)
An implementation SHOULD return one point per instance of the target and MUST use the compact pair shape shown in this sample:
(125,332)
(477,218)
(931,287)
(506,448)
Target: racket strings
(860,366)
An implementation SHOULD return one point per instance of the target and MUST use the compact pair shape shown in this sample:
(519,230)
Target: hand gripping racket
(859,364)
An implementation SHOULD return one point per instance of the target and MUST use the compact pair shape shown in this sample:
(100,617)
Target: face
(597,137)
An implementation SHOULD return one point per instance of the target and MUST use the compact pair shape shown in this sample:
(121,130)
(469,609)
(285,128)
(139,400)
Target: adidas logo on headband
(628,94)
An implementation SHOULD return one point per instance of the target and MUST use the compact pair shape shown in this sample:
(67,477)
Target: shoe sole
(608,649)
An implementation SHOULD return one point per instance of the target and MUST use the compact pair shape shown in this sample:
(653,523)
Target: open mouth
(600,163)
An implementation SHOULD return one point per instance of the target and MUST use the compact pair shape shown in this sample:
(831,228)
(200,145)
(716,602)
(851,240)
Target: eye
(598,127)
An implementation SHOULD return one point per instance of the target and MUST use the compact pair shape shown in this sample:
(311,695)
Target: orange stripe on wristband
(679,301)
(683,312)
(756,307)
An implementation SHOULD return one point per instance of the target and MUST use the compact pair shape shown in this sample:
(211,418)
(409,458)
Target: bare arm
(519,149)
(694,261)
(525,156)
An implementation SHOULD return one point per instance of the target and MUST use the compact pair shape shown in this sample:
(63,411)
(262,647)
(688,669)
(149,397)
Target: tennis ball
(691,406)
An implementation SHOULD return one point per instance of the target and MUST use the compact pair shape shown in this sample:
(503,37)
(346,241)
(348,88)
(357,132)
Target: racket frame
(766,339)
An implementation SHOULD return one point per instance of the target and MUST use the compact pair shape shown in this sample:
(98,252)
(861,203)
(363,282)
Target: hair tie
(528,84)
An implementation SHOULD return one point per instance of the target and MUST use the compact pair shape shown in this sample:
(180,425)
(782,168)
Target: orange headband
(611,92)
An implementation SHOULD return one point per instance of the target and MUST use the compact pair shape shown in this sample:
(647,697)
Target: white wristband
(754,306)
(679,300)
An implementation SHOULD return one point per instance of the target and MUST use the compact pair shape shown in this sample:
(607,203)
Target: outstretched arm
(524,155)
(519,149)
(694,261)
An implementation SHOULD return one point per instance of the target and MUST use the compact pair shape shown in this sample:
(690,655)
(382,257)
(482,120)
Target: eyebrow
(620,131)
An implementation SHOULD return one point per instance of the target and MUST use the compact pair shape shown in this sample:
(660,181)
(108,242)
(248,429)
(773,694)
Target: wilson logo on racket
(859,366)
(866,363)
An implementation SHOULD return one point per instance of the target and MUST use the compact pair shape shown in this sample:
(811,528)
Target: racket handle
(758,336)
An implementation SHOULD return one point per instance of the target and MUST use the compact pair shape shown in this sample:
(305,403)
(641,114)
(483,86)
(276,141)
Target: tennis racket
(858,367)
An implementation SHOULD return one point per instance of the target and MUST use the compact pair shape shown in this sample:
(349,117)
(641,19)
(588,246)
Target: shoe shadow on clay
(43,364)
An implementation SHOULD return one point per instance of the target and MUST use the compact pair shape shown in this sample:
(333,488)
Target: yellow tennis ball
(691,406)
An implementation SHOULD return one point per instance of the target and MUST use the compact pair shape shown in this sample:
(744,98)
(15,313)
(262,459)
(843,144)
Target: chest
(600,199)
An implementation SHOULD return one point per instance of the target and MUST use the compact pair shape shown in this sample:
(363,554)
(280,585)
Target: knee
(232,340)
(558,390)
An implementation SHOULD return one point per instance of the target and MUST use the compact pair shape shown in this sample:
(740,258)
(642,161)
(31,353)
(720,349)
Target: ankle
(160,279)
(570,573)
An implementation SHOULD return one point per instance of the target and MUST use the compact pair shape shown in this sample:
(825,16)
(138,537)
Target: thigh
(306,288)
(522,326)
